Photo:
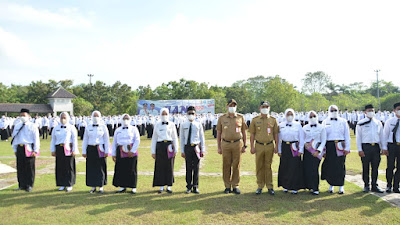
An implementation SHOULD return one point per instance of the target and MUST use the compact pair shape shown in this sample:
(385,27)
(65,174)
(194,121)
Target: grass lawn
(46,205)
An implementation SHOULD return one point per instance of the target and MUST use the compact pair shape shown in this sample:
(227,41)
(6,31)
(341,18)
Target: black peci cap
(191,108)
(264,103)
(396,105)
(24,111)
(368,107)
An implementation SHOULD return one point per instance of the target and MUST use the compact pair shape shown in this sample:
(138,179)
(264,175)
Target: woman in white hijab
(64,146)
(164,146)
(315,139)
(290,149)
(337,147)
(125,153)
(95,148)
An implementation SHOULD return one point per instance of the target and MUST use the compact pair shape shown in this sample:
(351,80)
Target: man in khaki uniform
(231,138)
(264,131)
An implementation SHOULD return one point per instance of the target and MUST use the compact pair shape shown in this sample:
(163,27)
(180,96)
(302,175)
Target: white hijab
(330,108)
(67,115)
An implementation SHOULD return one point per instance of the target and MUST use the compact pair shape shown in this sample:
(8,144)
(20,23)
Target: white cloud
(65,18)
(16,51)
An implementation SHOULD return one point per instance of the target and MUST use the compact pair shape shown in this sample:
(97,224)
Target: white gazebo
(61,101)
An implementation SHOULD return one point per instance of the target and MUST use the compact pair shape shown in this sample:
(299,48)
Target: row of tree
(317,93)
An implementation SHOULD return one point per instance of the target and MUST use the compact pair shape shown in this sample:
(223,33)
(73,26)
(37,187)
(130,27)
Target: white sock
(285,190)
(69,188)
(316,192)
(61,188)
(162,188)
(341,188)
(93,188)
(100,188)
(134,190)
(331,188)
(294,191)
(121,189)
(169,188)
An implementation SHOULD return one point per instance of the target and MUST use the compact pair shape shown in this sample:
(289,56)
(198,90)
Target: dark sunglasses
(190,113)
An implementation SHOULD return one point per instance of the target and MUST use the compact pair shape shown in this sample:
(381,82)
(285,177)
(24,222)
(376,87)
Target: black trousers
(192,167)
(45,130)
(393,161)
(65,168)
(25,168)
(110,130)
(142,130)
(215,131)
(82,132)
(372,158)
(149,129)
(4,134)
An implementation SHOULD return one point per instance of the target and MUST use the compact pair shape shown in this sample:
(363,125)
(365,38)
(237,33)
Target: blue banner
(150,107)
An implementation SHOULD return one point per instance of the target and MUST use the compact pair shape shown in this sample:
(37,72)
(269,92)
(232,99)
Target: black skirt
(125,171)
(65,168)
(290,174)
(311,174)
(333,167)
(164,167)
(96,168)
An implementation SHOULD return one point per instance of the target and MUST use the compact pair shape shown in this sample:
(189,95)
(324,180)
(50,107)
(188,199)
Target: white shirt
(65,135)
(292,132)
(317,134)
(388,131)
(337,130)
(97,135)
(196,136)
(369,133)
(164,133)
(126,135)
(28,135)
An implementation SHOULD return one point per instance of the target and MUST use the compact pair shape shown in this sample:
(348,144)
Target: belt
(21,145)
(336,141)
(264,143)
(61,145)
(165,141)
(192,145)
(372,144)
(93,145)
(231,141)
(396,143)
(289,142)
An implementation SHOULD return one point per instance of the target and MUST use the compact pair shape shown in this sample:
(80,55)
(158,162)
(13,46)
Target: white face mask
(126,122)
(96,120)
(232,109)
(191,117)
(264,110)
(64,121)
(334,114)
(398,112)
(24,119)
(289,118)
(313,120)
(164,118)
(370,114)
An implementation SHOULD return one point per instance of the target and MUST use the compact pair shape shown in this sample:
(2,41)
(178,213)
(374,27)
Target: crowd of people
(302,140)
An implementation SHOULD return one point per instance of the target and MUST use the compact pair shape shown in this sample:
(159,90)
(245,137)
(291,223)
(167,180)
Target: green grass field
(46,205)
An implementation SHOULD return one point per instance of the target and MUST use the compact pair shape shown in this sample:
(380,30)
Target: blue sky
(219,42)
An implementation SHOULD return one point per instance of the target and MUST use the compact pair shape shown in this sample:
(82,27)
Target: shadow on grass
(206,203)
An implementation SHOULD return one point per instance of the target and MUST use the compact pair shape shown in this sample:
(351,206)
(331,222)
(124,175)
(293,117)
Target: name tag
(237,129)
(269,130)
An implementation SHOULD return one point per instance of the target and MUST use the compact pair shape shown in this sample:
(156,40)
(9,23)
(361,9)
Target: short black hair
(396,105)
(368,107)
(24,110)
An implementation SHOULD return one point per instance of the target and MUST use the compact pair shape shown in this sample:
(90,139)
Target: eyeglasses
(334,110)
(313,116)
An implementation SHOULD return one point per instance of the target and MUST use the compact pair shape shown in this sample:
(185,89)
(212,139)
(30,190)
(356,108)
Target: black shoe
(376,189)
(188,191)
(341,192)
(121,191)
(258,191)
(396,190)
(169,191)
(366,189)
(271,191)
(388,190)
(19,189)
(160,191)
(196,190)
(236,191)
(101,192)
(227,191)
(28,189)
(330,191)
